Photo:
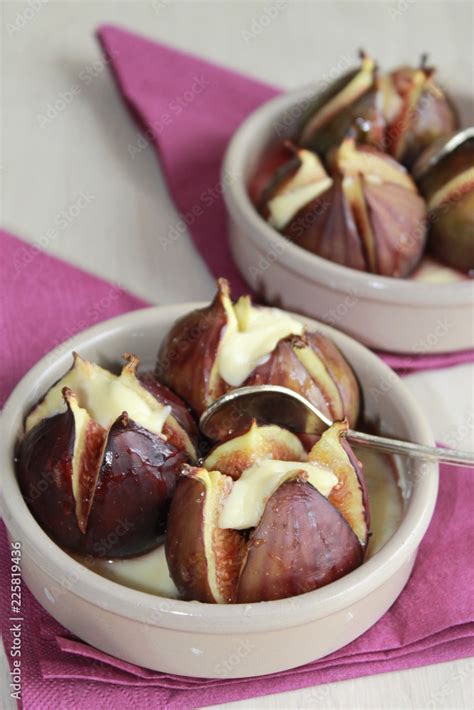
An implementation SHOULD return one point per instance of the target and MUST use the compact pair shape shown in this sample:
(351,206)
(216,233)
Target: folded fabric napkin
(43,301)
(189,108)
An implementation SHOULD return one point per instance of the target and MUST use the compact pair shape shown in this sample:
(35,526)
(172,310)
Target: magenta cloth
(43,301)
(190,108)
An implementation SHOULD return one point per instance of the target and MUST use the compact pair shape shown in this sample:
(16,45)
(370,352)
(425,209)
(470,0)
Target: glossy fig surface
(448,186)
(301,543)
(364,212)
(352,102)
(254,345)
(417,111)
(204,560)
(94,463)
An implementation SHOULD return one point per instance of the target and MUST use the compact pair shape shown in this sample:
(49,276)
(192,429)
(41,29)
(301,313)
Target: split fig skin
(302,543)
(363,211)
(204,560)
(243,344)
(448,187)
(98,481)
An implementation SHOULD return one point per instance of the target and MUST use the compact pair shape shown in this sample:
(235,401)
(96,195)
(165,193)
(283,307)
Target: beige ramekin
(396,315)
(206,640)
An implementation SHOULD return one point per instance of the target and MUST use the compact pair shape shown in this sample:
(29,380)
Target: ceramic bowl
(205,640)
(396,315)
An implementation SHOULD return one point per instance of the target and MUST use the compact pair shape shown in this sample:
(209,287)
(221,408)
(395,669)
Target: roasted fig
(239,453)
(308,522)
(204,560)
(367,215)
(94,466)
(349,495)
(242,344)
(445,173)
(301,543)
(417,111)
(352,102)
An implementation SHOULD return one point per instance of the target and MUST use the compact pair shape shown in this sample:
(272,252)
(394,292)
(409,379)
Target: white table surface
(46,46)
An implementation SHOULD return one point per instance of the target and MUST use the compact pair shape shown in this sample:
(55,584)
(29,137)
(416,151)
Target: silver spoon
(272,404)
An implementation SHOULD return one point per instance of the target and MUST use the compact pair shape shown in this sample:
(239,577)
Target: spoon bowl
(272,404)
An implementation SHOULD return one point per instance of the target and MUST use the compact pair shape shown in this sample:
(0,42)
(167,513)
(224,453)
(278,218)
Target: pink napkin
(189,108)
(42,302)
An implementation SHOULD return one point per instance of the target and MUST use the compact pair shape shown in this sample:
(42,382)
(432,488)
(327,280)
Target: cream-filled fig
(366,212)
(281,528)
(301,543)
(94,464)
(215,349)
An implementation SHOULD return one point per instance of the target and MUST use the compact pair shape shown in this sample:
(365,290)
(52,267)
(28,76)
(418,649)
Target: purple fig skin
(415,127)
(341,373)
(314,226)
(284,368)
(184,543)
(187,357)
(186,550)
(136,480)
(44,471)
(398,221)
(451,225)
(301,543)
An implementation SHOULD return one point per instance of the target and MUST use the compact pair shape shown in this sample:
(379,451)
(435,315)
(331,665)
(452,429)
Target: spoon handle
(394,446)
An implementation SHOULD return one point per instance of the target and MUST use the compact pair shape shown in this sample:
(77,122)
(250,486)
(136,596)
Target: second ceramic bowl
(396,315)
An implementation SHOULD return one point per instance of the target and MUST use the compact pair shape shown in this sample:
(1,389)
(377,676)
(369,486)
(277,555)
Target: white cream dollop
(245,504)
(251,335)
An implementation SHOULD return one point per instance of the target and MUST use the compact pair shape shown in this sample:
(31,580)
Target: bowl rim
(335,277)
(168,613)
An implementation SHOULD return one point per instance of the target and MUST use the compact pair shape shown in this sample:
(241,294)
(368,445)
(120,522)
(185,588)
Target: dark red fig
(242,344)
(301,543)
(57,468)
(97,479)
(313,366)
(204,561)
(136,482)
(365,214)
(96,493)
(417,111)
(187,361)
(445,173)
(352,102)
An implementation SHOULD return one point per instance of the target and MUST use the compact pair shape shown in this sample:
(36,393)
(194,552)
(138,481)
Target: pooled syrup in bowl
(149,572)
